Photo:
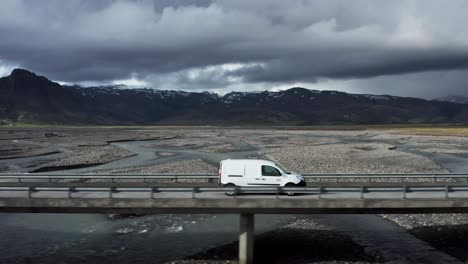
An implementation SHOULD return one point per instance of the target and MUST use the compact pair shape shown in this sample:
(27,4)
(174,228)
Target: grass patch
(416,129)
(437,131)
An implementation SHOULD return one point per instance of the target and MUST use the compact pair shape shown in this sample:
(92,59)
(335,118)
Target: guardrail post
(405,190)
(320,190)
(111,190)
(246,238)
(70,190)
(194,191)
(30,190)
(236,191)
(446,191)
(153,190)
(363,189)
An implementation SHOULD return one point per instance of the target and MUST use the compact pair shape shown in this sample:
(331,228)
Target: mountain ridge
(29,98)
(453,99)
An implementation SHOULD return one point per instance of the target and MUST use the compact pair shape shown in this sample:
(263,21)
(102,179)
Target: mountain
(25,96)
(28,98)
(453,99)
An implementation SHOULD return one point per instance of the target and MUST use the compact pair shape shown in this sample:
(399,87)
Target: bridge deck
(345,199)
(400,193)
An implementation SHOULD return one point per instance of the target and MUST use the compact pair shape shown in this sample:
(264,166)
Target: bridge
(199,194)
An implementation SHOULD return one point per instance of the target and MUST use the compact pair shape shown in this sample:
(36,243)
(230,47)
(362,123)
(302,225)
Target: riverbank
(445,232)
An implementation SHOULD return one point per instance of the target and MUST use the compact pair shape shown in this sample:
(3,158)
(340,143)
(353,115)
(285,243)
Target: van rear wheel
(230,185)
(290,185)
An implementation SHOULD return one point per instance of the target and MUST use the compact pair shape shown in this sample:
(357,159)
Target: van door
(252,174)
(271,176)
(233,173)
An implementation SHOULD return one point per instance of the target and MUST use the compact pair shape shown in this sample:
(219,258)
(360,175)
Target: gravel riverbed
(300,151)
(351,158)
(87,156)
(192,166)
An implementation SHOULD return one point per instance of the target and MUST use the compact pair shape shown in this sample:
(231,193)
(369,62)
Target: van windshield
(282,169)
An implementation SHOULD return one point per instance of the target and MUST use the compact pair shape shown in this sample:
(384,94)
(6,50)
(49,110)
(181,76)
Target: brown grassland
(437,131)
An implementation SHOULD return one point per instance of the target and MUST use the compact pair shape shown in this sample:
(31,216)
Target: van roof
(269,162)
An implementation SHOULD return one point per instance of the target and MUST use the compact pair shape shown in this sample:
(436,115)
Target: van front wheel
(290,185)
(230,185)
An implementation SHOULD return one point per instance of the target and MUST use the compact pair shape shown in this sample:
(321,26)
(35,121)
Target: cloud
(190,44)
(429,85)
(6,68)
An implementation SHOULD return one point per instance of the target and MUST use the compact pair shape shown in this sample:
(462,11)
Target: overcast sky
(399,47)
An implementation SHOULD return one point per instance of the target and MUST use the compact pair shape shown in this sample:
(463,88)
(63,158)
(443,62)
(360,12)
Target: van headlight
(299,177)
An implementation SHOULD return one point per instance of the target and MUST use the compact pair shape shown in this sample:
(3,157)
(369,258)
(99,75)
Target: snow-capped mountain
(26,97)
(453,99)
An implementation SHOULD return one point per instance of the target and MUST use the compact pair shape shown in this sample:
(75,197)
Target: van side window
(270,171)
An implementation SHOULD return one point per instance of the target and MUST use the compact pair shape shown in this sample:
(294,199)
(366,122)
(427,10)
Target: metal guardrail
(111,177)
(236,191)
(316,178)
(172,176)
(385,175)
(106,175)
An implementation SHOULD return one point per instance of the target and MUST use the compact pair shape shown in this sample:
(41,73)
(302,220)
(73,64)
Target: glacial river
(71,238)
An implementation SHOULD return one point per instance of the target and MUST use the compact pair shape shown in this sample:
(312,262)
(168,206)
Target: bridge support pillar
(246,238)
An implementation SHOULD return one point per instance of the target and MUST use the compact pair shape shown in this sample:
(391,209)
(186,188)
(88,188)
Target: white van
(256,172)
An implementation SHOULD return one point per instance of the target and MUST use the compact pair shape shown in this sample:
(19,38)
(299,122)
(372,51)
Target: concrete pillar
(246,238)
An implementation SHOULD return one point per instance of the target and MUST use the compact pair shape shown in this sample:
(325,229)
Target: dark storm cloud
(308,69)
(189,42)
(427,85)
